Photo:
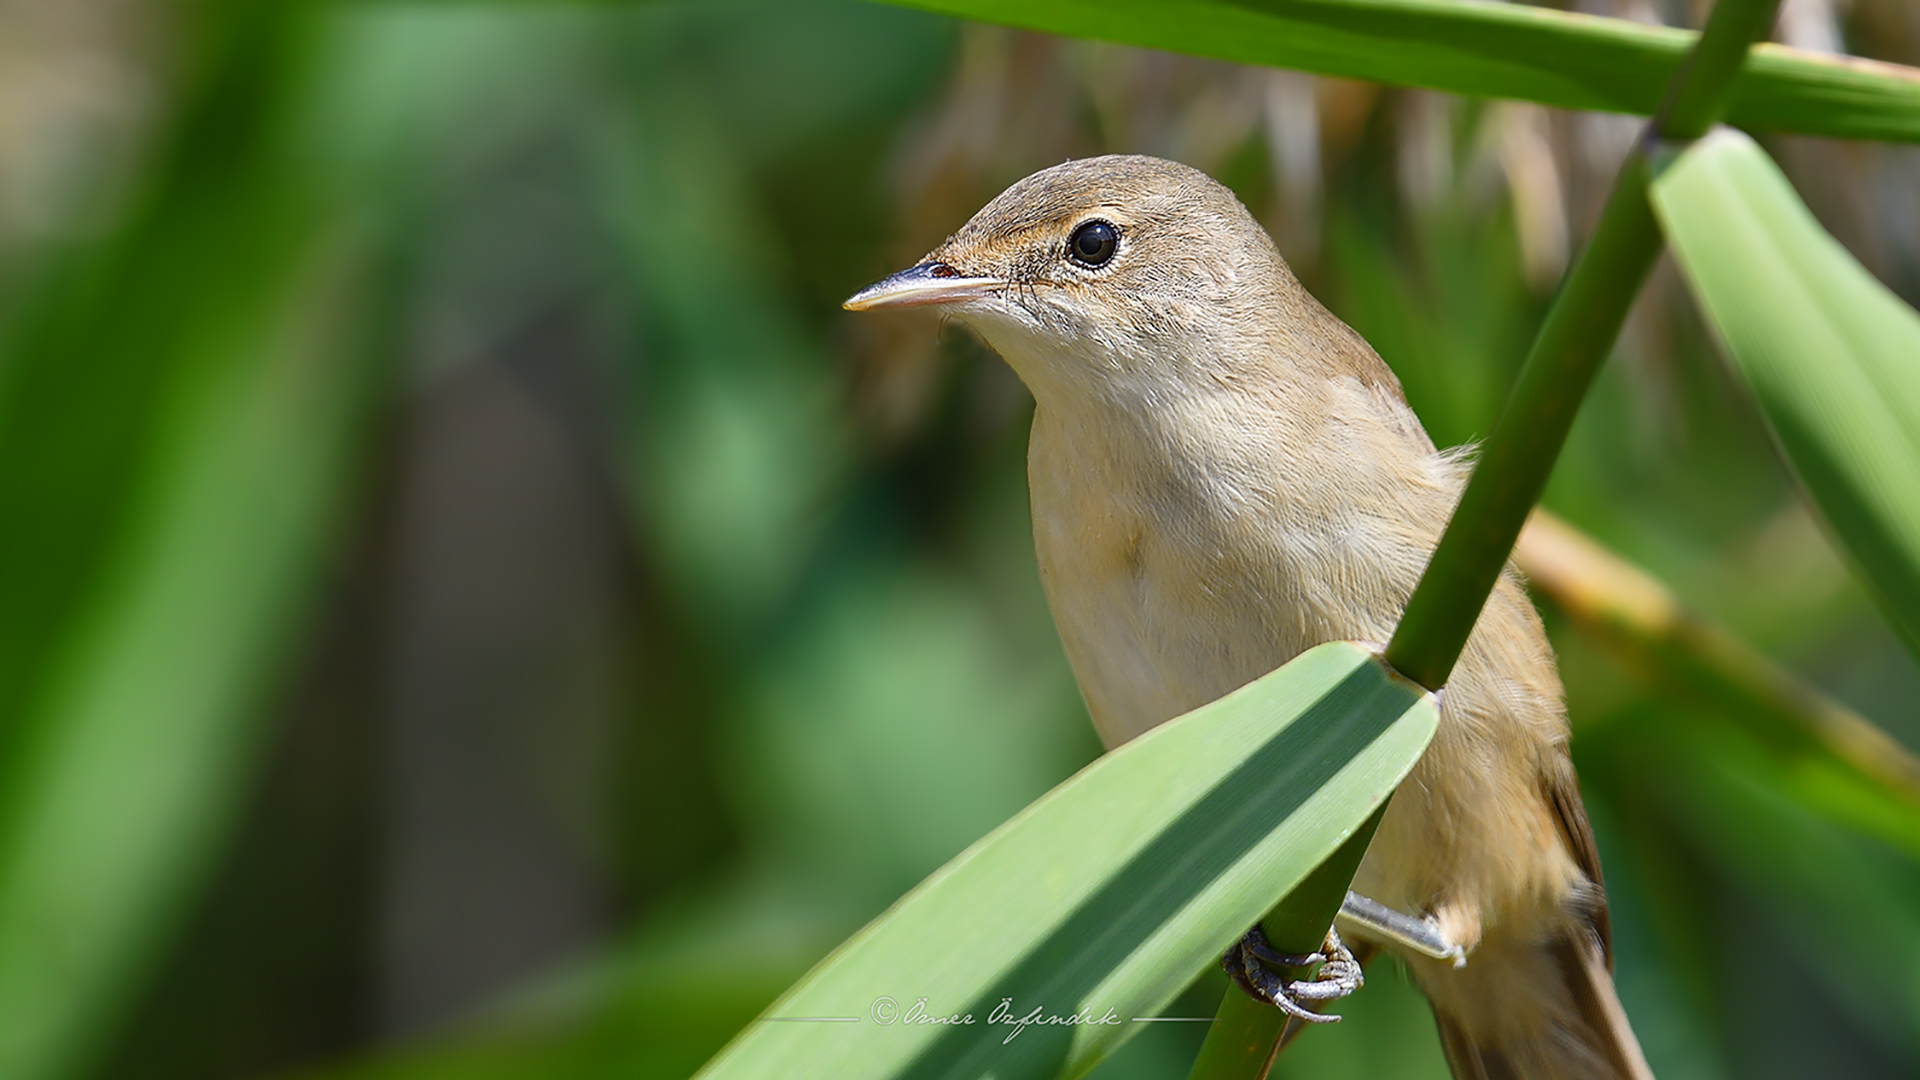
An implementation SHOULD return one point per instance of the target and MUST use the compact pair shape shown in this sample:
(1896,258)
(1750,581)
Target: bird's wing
(1562,790)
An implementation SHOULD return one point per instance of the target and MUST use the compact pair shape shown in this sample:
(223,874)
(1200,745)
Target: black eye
(1092,244)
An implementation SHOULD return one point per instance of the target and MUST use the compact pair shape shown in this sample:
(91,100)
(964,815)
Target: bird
(1222,475)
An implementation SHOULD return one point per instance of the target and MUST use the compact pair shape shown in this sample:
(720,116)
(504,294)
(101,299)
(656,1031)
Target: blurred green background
(476,607)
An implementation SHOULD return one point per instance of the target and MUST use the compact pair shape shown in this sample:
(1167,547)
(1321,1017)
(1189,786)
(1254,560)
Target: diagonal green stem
(1519,455)
(1247,1034)
(1514,465)
(1575,339)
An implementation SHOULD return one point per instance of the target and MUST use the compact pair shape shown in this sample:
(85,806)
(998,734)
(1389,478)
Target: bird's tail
(1541,1012)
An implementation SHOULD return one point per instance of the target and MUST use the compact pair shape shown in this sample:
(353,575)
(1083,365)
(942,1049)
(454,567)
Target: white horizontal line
(1173,1019)
(811,1019)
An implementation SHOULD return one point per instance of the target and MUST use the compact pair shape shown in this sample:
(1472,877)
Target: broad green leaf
(1486,49)
(1832,355)
(1107,896)
(176,408)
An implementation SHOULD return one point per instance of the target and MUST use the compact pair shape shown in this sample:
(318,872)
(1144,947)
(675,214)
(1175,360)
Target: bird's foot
(1250,964)
(1413,933)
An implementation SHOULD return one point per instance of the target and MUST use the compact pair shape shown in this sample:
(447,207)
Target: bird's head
(1104,273)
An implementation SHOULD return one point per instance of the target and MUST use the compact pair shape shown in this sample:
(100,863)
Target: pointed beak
(928,283)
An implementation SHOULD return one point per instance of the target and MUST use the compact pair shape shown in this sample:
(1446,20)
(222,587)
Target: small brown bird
(1224,475)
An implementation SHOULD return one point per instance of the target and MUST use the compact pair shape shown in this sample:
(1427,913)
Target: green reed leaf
(1111,893)
(1833,356)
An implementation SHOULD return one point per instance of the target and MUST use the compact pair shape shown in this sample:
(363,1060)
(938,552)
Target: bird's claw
(1339,975)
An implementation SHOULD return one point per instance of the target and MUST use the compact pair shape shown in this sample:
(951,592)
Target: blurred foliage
(271,251)
(179,402)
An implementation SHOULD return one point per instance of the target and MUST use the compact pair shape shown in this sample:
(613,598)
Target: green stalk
(1246,1034)
(1519,455)
(1579,332)
(1700,92)
(1515,463)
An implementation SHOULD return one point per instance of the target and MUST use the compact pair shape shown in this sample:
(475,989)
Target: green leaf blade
(1832,355)
(1107,896)
(1563,59)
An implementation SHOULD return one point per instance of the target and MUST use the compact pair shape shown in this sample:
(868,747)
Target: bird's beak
(928,283)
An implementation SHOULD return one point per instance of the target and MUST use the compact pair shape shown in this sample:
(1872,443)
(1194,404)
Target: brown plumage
(1223,475)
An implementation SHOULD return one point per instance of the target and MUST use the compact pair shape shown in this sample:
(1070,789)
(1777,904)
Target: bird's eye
(1092,244)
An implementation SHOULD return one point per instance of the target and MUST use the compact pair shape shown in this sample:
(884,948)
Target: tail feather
(1469,1060)
(1590,985)
(1541,1013)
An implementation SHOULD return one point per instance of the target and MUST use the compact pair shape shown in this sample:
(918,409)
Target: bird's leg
(1411,932)
(1339,974)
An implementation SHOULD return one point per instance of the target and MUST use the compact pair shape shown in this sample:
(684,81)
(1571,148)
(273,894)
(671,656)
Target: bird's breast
(1172,577)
